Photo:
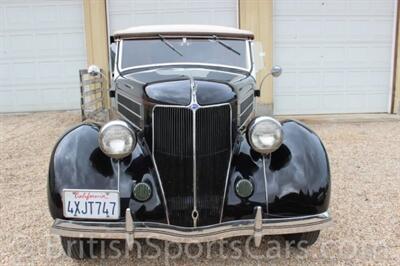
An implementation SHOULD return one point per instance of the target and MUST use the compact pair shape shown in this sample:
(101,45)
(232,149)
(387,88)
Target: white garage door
(127,13)
(42,47)
(336,56)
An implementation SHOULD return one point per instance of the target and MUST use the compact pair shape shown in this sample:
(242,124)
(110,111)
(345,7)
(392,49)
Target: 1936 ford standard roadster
(185,158)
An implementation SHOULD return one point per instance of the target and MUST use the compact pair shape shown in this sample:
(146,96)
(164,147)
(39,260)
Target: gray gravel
(365,203)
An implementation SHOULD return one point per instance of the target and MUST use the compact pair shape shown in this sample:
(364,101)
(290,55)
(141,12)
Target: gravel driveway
(365,202)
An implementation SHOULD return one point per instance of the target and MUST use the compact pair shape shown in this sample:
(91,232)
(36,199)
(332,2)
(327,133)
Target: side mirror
(94,70)
(276,71)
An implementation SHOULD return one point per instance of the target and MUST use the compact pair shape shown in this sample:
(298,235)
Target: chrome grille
(173,144)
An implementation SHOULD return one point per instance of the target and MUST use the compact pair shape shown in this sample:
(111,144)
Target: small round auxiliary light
(142,191)
(244,188)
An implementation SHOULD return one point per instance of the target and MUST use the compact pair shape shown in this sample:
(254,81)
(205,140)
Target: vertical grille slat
(213,145)
(173,152)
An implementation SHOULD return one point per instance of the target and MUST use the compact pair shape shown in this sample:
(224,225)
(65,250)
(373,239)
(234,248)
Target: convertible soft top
(183,30)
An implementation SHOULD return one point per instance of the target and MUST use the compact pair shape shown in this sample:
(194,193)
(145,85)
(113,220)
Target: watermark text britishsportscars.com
(232,249)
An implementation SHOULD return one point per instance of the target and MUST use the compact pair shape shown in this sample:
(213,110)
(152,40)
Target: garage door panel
(49,71)
(348,42)
(70,69)
(333,56)
(73,43)
(19,46)
(71,16)
(333,81)
(376,101)
(124,14)
(42,48)
(4,74)
(333,29)
(45,16)
(2,46)
(285,30)
(333,102)
(47,45)
(285,55)
(122,5)
(286,83)
(6,99)
(308,81)
(17,18)
(23,72)
(378,56)
(308,56)
(378,79)
(120,21)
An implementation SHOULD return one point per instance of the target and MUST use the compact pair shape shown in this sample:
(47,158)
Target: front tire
(78,248)
(302,239)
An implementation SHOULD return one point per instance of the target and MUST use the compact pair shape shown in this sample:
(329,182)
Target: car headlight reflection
(265,134)
(116,139)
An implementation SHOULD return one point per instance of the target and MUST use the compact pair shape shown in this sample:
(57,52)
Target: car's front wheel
(79,248)
(302,239)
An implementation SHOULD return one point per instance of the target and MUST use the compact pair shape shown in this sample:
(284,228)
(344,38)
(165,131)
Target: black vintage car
(184,158)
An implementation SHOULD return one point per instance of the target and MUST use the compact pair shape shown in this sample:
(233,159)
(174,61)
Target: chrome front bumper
(130,230)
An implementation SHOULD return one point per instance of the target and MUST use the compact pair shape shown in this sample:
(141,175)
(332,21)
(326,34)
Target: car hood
(173,85)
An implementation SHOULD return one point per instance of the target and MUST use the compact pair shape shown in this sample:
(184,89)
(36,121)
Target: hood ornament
(193,102)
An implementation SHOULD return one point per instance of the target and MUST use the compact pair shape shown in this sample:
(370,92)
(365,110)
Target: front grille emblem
(194,106)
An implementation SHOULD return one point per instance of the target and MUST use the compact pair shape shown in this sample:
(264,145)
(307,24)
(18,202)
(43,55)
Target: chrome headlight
(116,139)
(265,134)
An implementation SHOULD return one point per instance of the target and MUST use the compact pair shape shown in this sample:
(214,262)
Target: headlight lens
(265,134)
(116,139)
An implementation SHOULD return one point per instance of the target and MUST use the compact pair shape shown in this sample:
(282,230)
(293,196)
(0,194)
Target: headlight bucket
(265,134)
(117,139)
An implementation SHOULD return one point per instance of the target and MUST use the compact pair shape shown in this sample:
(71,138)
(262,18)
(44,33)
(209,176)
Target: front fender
(78,163)
(294,180)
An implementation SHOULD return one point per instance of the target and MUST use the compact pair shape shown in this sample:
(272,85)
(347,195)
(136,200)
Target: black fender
(292,181)
(78,163)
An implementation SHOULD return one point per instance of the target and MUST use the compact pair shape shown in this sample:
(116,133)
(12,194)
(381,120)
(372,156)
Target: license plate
(91,204)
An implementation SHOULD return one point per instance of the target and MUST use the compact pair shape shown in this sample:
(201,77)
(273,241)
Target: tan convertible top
(183,30)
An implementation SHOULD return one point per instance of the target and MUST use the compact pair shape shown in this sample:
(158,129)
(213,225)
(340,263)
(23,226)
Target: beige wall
(96,35)
(256,16)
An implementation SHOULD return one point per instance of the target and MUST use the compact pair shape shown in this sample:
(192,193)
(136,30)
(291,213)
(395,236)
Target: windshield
(231,53)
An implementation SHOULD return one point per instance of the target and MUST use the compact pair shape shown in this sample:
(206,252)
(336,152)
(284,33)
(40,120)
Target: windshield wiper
(167,43)
(218,40)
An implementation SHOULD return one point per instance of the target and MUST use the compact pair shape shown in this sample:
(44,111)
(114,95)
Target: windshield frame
(249,60)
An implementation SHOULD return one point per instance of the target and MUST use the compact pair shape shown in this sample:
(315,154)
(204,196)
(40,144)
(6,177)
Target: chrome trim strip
(251,227)
(129,121)
(156,168)
(193,102)
(141,116)
(243,127)
(239,114)
(129,110)
(247,108)
(226,186)
(129,97)
(266,185)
